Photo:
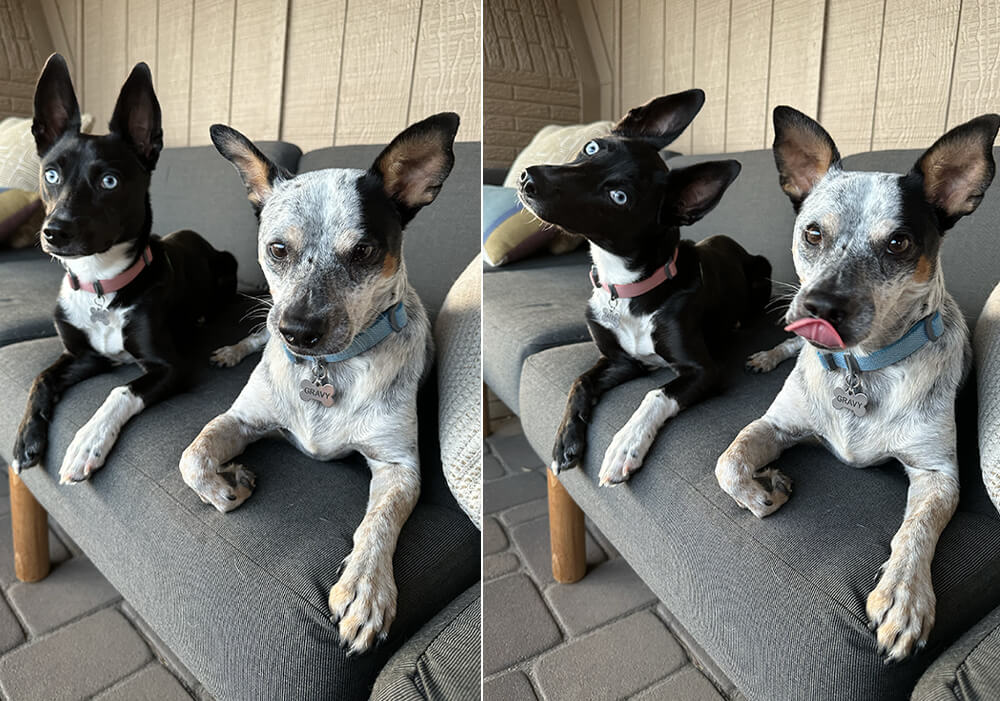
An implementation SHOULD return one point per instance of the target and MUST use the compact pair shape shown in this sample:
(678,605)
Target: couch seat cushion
(196,188)
(444,236)
(29,285)
(241,598)
(529,306)
(777,603)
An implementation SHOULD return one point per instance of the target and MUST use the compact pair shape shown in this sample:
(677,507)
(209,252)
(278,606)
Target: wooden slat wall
(877,73)
(313,72)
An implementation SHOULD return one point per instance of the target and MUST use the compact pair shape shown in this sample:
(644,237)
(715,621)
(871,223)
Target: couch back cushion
(755,212)
(196,188)
(444,236)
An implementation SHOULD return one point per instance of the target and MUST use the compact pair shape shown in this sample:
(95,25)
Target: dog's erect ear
(694,191)
(56,109)
(662,119)
(137,116)
(414,166)
(956,171)
(258,172)
(803,152)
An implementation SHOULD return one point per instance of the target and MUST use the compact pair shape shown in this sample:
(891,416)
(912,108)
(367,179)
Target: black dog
(658,301)
(128,296)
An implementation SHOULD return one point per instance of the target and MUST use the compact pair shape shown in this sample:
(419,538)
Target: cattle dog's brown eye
(277,250)
(898,243)
(813,235)
(362,251)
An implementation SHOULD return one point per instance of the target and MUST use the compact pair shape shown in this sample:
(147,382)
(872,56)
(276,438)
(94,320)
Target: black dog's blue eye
(618,197)
(109,181)
(591,148)
(52,176)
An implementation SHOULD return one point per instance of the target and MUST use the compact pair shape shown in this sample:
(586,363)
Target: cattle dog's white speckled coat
(338,266)
(866,250)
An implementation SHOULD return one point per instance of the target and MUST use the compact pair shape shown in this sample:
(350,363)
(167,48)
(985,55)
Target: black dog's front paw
(571,441)
(29,447)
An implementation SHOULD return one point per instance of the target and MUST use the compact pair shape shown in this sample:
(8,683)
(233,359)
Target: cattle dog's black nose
(827,305)
(301,332)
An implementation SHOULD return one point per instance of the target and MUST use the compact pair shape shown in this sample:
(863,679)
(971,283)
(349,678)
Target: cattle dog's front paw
(225,488)
(227,356)
(901,611)
(88,451)
(30,444)
(571,442)
(627,451)
(363,602)
(764,361)
(762,494)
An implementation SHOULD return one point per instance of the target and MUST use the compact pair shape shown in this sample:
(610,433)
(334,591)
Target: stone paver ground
(71,636)
(604,637)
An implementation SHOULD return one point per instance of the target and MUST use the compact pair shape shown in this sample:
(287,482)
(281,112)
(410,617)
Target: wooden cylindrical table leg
(566,533)
(30,525)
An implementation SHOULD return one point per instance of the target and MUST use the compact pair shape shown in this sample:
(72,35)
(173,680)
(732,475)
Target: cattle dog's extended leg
(205,464)
(33,433)
(696,377)
(901,607)
(768,360)
(742,470)
(571,439)
(228,356)
(363,601)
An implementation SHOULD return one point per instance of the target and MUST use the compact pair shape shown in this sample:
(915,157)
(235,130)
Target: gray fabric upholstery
(196,188)
(29,284)
(442,661)
(241,598)
(443,237)
(527,307)
(778,603)
(969,670)
(970,275)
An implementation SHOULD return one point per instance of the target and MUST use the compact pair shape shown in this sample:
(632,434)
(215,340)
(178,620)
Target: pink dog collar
(635,289)
(101,287)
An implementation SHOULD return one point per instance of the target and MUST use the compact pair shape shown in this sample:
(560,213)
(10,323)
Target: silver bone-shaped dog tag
(100,315)
(852,401)
(312,392)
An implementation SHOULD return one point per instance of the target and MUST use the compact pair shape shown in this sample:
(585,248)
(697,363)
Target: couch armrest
(969,669)
(986,344)
(442,661)
(457,336)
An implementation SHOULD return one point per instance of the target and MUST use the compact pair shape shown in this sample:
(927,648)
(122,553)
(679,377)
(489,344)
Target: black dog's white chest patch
(106,335)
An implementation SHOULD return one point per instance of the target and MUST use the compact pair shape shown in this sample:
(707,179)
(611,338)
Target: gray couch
(778,605)
(241,598)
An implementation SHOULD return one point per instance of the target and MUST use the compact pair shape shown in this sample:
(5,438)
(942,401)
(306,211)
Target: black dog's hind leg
(613,368)
(33,433)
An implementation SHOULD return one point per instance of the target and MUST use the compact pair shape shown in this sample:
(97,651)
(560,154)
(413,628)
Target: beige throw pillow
(18,160)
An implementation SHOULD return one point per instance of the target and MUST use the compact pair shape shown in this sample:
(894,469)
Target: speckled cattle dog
(128,295)
(347,345)
(882,347)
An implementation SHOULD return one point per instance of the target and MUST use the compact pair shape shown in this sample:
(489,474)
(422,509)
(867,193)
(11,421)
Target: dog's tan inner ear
(805,159)
(255,175)
(954,172)
(412,169)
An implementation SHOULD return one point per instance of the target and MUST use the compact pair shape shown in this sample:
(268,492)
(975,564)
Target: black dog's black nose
(826,305)
(56,230)
(528,183)
(301,333)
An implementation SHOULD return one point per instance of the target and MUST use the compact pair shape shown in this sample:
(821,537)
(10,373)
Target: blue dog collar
(391,321)
(927,329)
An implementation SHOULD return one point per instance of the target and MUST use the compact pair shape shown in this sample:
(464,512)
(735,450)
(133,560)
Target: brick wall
(21,58)
(530,73)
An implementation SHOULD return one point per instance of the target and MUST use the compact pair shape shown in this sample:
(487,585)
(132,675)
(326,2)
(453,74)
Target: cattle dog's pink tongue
(818,331)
